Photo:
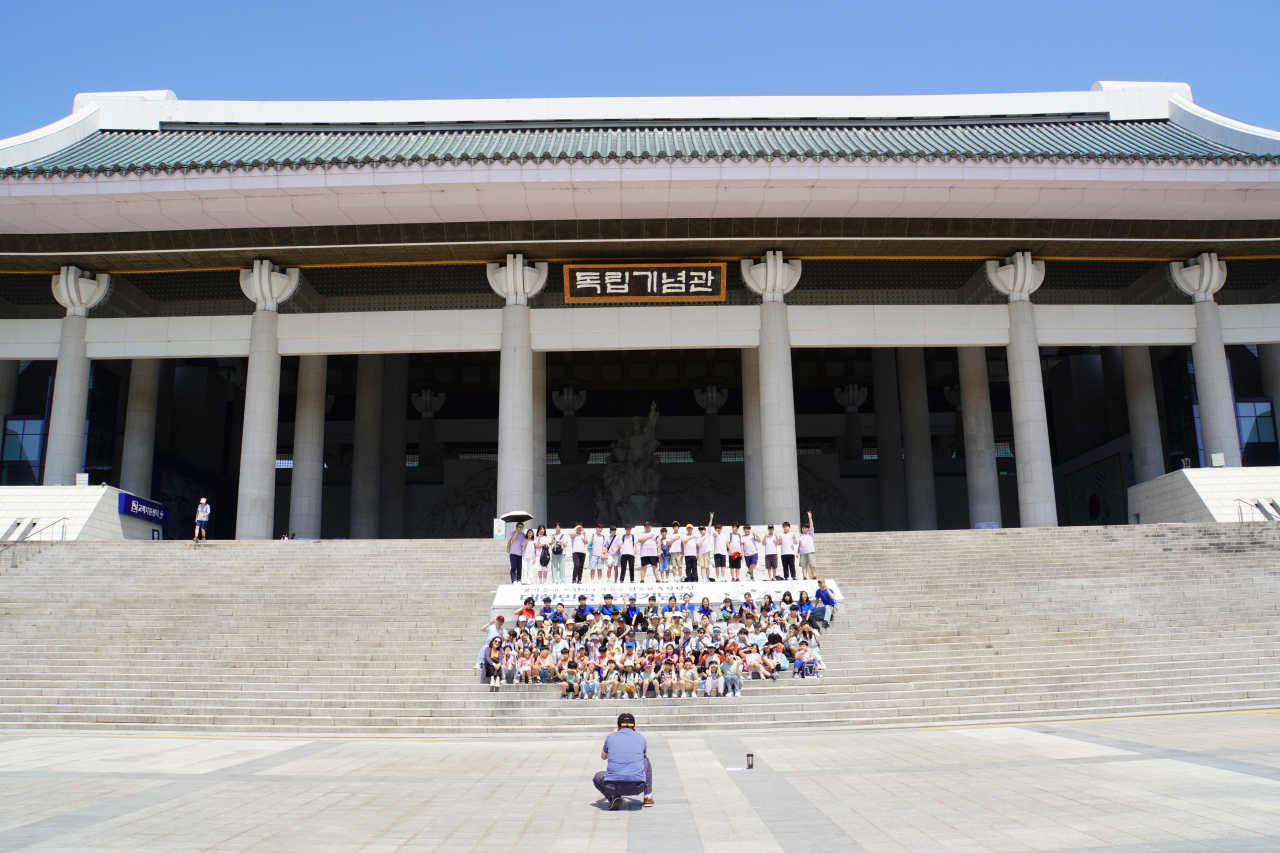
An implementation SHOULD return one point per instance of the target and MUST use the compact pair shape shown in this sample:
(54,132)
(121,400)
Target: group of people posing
(707,553)
(680,649)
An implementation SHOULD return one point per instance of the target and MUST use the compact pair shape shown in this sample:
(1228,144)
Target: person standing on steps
(629,772)
(806,550)
(515,552)
(202,519)
(578,546)
(787,544)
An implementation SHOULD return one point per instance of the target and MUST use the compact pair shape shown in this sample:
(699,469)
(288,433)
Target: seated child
(591,683)
(569,681)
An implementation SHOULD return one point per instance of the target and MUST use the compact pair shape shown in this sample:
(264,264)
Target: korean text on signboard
(144,509)
(644,282)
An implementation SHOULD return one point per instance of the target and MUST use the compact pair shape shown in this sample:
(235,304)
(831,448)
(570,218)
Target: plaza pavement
(1175,784)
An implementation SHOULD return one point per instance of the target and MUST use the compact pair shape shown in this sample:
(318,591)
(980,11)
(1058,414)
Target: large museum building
(402,319)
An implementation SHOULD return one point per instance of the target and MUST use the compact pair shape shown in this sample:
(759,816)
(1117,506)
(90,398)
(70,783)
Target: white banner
(510,597)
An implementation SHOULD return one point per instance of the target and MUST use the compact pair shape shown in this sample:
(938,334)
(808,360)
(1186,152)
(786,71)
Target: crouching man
(629,772)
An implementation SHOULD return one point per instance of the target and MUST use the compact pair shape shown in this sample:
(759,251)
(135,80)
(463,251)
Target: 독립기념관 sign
(645,282)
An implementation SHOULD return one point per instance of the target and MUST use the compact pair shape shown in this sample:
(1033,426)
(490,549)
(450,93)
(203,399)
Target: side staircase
(379,637)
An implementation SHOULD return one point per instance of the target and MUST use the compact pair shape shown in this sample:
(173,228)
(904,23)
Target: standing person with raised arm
(719,550)
(806,550)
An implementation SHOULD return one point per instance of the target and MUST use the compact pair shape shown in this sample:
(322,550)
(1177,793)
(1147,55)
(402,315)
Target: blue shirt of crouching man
(629,772)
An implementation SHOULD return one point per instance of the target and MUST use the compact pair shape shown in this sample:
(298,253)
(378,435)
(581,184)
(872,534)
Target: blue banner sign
(144,509)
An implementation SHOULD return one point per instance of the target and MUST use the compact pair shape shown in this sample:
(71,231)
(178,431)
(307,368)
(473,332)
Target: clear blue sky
(391,50)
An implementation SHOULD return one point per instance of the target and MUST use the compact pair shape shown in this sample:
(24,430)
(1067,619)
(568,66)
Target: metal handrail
(30,542)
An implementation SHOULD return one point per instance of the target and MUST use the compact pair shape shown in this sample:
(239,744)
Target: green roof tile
(109,152)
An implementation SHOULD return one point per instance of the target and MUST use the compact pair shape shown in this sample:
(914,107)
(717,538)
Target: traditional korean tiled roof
(124,152)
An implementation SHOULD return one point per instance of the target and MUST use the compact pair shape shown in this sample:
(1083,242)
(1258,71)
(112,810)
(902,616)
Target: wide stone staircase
(379,637)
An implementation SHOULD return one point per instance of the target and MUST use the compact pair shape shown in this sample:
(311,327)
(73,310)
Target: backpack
(666,549)
(557,548)
(545,557)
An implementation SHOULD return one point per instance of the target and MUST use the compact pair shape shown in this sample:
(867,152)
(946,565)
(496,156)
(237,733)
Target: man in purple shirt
(629,771)
(515,552)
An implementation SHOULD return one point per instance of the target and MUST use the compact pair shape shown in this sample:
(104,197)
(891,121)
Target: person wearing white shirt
(578,546)
(650,546)
(626,549)
(733,545)
(689,543)
(806,550)
(720,550)
(750,551)
(597,554)
(788,542)
(771,543)
(673,556)
(530,554)
(706,544)
(611,555)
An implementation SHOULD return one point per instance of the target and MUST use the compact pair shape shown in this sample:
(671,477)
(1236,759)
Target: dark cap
(627,721)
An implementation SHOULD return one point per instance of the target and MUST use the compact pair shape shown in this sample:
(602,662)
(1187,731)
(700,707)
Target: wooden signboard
(603,283)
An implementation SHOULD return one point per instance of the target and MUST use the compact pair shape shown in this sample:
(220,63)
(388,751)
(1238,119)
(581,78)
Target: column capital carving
(1199,277)
(516,282)
(851,397)
(79,291)
(268,286)
(711,398)
(1018,277)
(427,402)
(772,278)
(569,400)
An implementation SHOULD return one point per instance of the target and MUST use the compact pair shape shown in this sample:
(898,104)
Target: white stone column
(917,442)
(139,449)
(78,292)
(892,475)
(366,456)
(773,278)
(8,386)
(267,286)
(539,508)
(395,397)
(1144,416)
(516,283)
(1200,278)
(306,490)
(981,474)
(753,463)
(1017,279)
